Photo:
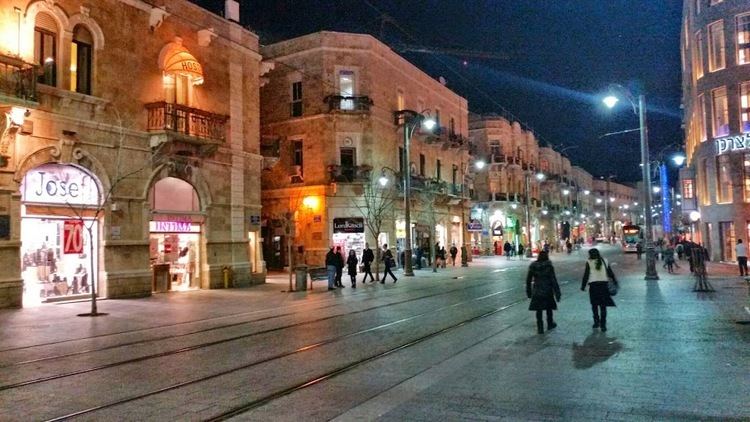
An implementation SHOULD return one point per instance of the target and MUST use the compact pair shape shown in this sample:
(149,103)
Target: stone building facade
(715,47)
(139,120)
(565,201)
(329,132)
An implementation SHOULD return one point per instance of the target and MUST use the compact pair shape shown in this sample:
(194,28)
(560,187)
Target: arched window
(173,194)
(81,59)
(45,48)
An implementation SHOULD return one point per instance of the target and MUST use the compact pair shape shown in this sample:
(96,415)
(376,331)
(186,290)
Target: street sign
(474,226)
(73,237)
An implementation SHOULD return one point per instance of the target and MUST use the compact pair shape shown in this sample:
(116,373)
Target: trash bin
(300,273)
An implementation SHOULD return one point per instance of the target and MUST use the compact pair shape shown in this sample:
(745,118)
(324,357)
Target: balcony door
(348,160)
(347,82)
(178,89)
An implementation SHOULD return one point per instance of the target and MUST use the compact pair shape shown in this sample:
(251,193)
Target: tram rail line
(307,348)
(198,321)
(240,337)
(254,404)
(236,324)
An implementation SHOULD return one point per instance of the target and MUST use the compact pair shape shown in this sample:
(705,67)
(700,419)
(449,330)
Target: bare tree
(288,220)
(104,201)
(376,205)
(430,197)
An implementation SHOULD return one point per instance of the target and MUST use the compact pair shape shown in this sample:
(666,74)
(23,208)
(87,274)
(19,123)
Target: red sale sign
(73,237)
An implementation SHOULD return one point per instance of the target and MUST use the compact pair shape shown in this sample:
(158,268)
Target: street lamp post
(411,120)
(529,243)
(610,101)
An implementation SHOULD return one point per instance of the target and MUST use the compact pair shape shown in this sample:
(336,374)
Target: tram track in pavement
(203,320)
(236,324)
(259,402)
(244,336)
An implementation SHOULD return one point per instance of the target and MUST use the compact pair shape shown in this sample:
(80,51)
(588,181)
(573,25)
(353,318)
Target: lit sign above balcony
(175,59)
(733,143)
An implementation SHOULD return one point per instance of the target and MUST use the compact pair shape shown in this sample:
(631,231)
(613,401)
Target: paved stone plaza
(389,352)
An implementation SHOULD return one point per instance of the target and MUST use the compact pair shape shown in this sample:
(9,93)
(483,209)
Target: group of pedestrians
(335,266)
(544,291)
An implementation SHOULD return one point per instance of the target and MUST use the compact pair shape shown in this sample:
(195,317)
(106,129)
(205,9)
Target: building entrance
(59,202)
(175,236)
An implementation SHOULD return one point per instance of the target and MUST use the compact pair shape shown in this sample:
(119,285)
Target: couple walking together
(544,291)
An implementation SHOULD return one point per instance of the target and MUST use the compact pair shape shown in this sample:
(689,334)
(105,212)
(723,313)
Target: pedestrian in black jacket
(351,267)
(339,266)
(542,289)
(389,263)
(367,258)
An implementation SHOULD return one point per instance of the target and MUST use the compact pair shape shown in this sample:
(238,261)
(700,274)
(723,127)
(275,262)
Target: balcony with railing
(186,123)
(270,149)
(17,79)
(348,104)
(349,174)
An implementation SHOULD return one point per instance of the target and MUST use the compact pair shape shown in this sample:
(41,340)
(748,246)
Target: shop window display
(48,273)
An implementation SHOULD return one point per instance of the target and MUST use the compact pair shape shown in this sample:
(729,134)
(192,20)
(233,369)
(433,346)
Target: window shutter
(46,22)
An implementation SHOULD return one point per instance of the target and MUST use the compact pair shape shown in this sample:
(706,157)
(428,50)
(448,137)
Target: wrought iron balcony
(341,103)
(349,174)
(186,121)
(17,78)
(270,149)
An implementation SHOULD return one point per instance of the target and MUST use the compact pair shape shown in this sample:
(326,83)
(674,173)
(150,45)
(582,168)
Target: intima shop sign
(733,143)
(348,225)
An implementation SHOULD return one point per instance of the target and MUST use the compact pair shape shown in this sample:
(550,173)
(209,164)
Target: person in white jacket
(597,276)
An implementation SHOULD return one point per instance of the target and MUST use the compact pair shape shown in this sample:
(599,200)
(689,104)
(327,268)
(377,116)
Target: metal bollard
(226,272)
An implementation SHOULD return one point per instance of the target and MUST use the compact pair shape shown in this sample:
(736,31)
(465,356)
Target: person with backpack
(542,288)
(388,264)
(454,253)
(597,276)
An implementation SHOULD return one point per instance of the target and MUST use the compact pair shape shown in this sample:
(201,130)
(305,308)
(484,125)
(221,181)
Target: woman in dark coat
(597,276)
(351,267)
(542,289)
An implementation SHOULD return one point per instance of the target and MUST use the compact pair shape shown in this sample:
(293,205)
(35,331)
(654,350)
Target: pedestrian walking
(568,246)
(351,267)
(388,264)
(331,269)
(520,250)
(669,259)
(597,276)
(339,266)
(741,251)
(443,257)
(367,258)
(639,249)
(680,251)
(543,290)
(507,248)
(454,253)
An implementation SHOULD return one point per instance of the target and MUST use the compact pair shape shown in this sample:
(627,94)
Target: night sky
(561,56)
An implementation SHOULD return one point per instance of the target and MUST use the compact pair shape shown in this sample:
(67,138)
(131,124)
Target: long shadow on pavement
(597,348)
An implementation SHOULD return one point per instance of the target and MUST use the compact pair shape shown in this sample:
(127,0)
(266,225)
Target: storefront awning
(177,60)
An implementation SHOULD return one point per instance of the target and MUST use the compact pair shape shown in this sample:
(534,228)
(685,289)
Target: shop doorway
(175,236)
(59,202)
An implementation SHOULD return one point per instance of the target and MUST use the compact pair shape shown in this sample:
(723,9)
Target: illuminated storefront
(59,204)
(349,234)
(175,240)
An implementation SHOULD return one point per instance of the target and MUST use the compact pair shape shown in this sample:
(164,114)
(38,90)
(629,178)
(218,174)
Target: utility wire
(466,80)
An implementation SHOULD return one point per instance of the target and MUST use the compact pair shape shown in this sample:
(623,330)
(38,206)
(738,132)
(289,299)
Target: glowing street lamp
(640,110)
